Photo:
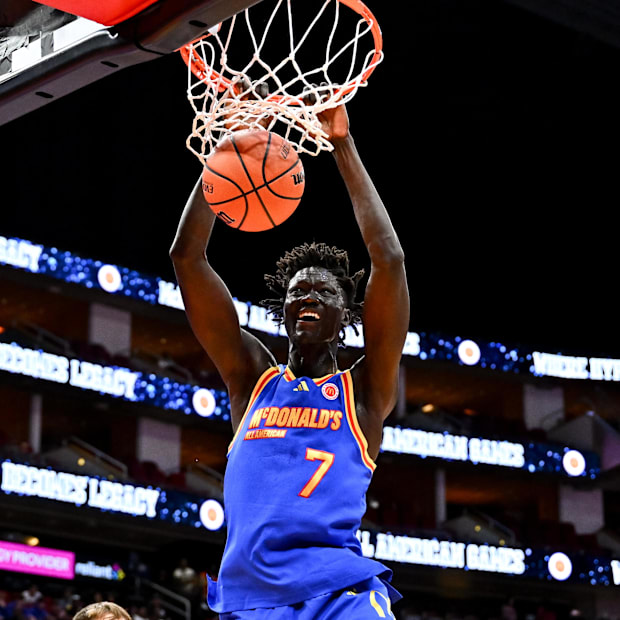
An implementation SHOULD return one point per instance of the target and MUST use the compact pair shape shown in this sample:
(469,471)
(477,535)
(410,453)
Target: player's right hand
(242,89)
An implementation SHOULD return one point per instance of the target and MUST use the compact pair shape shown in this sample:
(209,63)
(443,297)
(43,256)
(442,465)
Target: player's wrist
(343,143)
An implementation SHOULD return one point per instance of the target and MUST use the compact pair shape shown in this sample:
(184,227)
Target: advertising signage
(114,497)
(126,282)
(549,565)
(531,457)
(19,558)
(164,393)
(114,381)
(55,563)
(540,564)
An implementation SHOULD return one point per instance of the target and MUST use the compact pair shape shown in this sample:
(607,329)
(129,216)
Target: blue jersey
(294,495)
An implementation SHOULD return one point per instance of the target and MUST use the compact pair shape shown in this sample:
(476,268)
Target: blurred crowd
(35,603)
(41,600)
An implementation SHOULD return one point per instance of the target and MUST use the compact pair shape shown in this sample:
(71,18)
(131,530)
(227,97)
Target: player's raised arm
(386,301)
(239,357)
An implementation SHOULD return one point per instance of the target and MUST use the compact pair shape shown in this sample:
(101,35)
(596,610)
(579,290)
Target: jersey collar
(289,376)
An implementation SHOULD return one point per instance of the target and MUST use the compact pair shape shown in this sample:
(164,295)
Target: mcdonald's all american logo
(330,391)
(559,565)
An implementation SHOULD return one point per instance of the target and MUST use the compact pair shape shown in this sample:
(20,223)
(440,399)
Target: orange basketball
(253,180)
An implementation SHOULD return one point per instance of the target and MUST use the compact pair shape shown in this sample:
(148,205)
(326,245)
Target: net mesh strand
(225,99)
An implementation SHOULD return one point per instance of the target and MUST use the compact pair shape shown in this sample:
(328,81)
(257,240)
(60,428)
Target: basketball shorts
(368,600)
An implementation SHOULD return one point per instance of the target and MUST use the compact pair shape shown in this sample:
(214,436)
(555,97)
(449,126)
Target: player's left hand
(335,123)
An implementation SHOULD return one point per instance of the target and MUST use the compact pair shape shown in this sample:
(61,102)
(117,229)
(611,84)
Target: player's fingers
(316,93)
(309,94)
(246,91)
(241,89)
(238,89)
(326,90)
(242,86)
(262,90)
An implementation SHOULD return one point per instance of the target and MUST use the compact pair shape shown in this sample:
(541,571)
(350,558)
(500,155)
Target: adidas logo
(302,387)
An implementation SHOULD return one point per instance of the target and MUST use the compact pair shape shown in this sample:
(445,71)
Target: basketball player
(306,434)
(102,611)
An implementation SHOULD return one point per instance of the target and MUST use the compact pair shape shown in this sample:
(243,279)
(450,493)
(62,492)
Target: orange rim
(202,71)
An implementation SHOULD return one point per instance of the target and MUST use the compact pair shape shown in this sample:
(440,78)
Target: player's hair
(314,254)
(94,611)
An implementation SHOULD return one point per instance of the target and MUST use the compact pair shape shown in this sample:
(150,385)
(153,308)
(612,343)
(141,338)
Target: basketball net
(300,65)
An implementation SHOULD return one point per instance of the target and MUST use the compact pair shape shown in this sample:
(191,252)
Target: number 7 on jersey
(327,460)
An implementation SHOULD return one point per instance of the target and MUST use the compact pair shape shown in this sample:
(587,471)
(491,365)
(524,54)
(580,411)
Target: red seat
(108,13)
(152,473)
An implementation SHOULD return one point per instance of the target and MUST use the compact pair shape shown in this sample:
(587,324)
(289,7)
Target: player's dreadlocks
(314,255)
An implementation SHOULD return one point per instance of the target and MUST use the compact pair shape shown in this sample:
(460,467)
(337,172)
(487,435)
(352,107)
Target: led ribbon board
(110,496)
(172,395)
(531,457)
(122,281)
(510,561)
(615,570)
(137,387)
(189,399)
(184,509)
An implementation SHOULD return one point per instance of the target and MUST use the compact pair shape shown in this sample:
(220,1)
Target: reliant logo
(109,572)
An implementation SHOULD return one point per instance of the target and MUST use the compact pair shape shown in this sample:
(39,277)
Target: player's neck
(313,361)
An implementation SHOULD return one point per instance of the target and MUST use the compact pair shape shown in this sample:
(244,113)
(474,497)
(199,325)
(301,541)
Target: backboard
(47,52)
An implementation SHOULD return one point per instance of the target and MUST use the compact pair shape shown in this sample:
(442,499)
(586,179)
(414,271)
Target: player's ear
(346,317)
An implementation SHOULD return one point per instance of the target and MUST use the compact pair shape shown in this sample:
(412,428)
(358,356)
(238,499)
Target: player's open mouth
(308,315)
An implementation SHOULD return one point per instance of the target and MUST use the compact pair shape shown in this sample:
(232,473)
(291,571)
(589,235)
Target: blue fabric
(283,547)
(368,600)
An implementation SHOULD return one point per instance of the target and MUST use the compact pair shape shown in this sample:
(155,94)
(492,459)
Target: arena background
(490,132)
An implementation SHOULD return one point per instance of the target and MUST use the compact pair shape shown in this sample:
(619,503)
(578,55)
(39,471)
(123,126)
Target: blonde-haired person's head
(102,611)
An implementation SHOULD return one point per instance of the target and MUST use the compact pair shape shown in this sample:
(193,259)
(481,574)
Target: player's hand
(335,123)
(241,89)
(247,91)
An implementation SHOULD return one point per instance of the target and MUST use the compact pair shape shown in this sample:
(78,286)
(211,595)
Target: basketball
(253,180)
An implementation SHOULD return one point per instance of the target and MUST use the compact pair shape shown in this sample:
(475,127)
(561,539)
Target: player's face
(315,306)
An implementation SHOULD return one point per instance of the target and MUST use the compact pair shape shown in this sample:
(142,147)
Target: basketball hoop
(306,62)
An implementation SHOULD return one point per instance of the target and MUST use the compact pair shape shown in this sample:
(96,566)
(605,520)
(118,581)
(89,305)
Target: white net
(293,59)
